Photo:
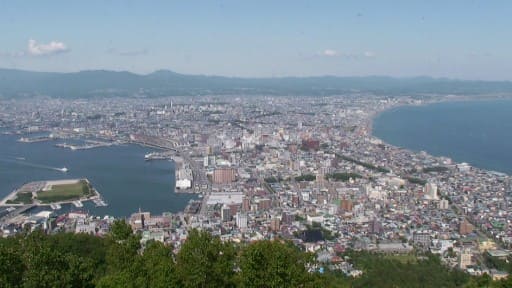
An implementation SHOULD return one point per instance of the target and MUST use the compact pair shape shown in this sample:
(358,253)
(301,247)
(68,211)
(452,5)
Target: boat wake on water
(19,161)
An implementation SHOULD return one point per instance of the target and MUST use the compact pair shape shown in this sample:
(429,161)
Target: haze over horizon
(457,40)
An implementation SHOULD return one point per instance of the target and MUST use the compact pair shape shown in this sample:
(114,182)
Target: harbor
(89,144)
(36,139)
(118,172)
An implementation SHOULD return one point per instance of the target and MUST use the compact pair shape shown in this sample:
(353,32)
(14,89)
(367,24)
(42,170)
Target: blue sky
(456,39)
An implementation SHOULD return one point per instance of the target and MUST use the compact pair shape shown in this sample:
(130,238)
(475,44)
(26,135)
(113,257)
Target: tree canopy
(203,260)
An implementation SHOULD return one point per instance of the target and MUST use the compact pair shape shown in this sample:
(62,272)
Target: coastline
(120,192)
(439,99)
(372,118)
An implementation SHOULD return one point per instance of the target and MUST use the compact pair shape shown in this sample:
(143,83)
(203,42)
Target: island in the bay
(54,193)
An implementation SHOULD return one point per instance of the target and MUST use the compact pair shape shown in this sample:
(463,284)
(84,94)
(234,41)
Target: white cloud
(40,49)
(330,53)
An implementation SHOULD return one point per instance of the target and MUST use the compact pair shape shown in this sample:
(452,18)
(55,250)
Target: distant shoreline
(374,117)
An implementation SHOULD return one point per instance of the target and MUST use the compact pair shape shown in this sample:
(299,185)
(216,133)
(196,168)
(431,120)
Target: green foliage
(65,192)
(496,263)
(384,271)
(364,164)
(159,266)
(12,266)
(81,260)
(269,189)
(299,218)
(204,261)
(31,261)
(328,279)
(273,179)
(315,227)
(273,264)
(343,176)
(305,177)
(435,169)
(82,245)
(120,230)
(415,180)
(154,268)
(21,197)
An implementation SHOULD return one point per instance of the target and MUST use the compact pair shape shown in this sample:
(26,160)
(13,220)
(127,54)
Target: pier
(90,144)
(17,211)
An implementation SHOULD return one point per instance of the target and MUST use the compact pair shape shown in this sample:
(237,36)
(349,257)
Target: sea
(125,180)
(476,132)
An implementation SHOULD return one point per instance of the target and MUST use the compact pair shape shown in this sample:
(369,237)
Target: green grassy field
(21,198)
(65,192)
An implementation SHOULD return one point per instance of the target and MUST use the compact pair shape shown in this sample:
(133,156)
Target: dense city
(304,169)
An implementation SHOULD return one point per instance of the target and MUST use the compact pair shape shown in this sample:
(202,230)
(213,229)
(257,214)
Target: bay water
(125,180)
(476,132)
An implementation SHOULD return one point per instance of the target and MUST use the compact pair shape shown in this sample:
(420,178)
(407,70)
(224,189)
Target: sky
(265,38)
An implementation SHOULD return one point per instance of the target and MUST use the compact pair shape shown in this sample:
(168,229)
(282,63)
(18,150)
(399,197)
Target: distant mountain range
(101,83)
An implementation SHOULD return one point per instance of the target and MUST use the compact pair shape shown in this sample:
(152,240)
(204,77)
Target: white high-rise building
(444,204)
(241,220)
(430,191)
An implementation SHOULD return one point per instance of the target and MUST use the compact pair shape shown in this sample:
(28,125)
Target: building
(430,191)
(241,220)
(498,275)
(184,178)
(138,220)
(295,201)
(394,248)
(224,198)
(444,204)
(225,213)
(287,218)
(275,224)
(421,239)
(486,245)
(465,227)
(264,204)
(246,204)
(465,258)
(376,227)
(346,205)
(310,144)
(223,175)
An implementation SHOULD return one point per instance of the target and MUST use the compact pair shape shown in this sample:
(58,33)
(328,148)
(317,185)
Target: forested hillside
(80,260)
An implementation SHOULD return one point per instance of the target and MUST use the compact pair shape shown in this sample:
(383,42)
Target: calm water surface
(119,173)
(477,132)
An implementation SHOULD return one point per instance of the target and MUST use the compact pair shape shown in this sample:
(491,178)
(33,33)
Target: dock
(78,204)
(99,202)
(90,144)
(17,211)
